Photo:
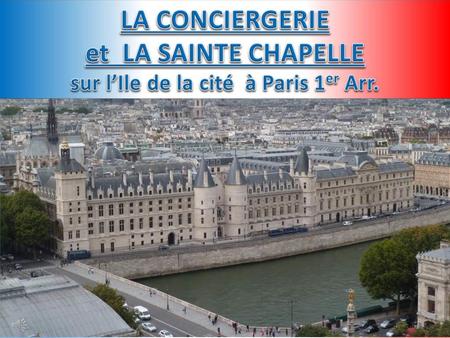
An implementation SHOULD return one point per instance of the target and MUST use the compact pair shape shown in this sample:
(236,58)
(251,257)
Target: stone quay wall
(140,264)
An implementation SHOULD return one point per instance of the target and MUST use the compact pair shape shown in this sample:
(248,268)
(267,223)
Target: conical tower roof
(302,163)
(204,178)
(235,175)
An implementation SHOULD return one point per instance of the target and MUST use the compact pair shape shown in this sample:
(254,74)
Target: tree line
(24,223)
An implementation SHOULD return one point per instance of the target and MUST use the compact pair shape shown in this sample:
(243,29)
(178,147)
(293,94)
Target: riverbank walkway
(181,318)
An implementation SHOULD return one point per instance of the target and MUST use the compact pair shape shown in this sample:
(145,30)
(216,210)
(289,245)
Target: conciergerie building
(136,209)
(114,205)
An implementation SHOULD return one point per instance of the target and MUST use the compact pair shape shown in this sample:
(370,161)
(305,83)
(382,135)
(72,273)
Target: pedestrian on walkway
(209,316)
(218,332)
(287,332)
(254,331)
(248,328)
(150,292)
(184,310)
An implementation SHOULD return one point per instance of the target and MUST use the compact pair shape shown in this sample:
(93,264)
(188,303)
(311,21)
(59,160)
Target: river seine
(261,293)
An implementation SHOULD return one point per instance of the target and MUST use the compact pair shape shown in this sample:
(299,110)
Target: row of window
(367,179)
(152,221)
(281,187)
(275,211)
(140,192)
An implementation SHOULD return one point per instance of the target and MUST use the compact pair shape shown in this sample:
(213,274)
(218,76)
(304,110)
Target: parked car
(388,323)
(165,334)
(347,223)
(372,329)
(18,266)
(149,327)
(163,247)
(142,313)
(390,333)
(10,257)
(365,324)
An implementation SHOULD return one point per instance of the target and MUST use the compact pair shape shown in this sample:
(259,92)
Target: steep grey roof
(269,178)
(107,152)
(356,158)
(394,166)
(332,173)
(235,175)
(55,306)
(203,178)
(259,165)
(302,163)
(7,158)
(69,166)
(39,146)
(439,159)
(44,175)
(114,182)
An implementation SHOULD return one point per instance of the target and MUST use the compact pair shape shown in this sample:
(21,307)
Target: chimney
(280,172)
(265,175)
(291,167)
(171,176)
(124,178)
(183,170)
(189,177)
(150,173)
(91,177)
(140,178)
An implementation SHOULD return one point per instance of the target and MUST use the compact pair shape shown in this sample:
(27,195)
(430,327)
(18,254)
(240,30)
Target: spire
(52,132)
(302,164)
(203,178)
(235,175)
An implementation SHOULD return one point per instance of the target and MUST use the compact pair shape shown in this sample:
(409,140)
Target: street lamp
(351,313)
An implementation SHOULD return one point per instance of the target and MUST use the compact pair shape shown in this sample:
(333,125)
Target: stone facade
(135,210)
(433,286)
(432,177)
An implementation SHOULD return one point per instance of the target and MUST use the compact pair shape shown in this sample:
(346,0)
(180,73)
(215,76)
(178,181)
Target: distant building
(432,176)
(433,286)
(8,167)
(55,306)
(428,134)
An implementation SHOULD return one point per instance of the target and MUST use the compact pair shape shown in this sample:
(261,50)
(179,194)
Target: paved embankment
(179,317)
(150,263)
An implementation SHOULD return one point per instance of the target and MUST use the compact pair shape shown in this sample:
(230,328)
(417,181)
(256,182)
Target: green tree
(6,231)
(314,331)
(400,328)
(437,330)
(115,301)
(10,110)
(388,268)
(32,228)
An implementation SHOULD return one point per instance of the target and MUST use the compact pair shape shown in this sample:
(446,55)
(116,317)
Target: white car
(390,333)
(347,223)
(149,327)
(165,334)
(142,313)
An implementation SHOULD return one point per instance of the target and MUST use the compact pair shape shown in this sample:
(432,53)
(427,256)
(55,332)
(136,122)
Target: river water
(261,293)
